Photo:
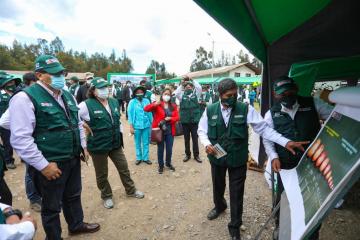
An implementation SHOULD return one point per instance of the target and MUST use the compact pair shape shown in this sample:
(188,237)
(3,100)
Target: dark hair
(226,85)
(90,92)
(171,107)
(142,81)
(29,77)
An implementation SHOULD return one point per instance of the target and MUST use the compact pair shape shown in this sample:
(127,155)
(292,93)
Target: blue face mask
(58,82)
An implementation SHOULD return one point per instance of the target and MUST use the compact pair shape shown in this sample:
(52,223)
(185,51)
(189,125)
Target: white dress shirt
(179,92)
(253,118)
(18,231)
(324,110)
(22,125)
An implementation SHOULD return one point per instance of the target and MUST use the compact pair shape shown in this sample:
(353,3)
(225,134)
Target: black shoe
(213,214)
(148,162)
(186,158)
(171,167)
(197,158)
(161,170)
(137,162)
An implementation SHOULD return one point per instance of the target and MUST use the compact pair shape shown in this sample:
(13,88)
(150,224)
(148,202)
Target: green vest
(215,97)
(118,93)
(106,129)
(148,94)
(233,139)
(4,102)
(56,133)
(2,218)
(205,97)
(189,109)
(72,88)
(304,127)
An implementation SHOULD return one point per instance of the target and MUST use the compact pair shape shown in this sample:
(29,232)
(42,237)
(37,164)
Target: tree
(202,60)
(56,46)
(159,70)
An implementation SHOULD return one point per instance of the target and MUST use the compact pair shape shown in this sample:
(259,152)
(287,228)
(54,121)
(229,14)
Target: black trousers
(5,193)
(280,189)
(121,105)
(65,193)
(237,178)
(191,129)
(126,109)
(8,153)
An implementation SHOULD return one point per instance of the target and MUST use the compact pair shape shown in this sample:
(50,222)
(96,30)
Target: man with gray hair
(224,124)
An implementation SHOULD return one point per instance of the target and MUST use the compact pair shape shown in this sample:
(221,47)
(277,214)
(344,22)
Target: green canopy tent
(283,32)
(306,73)
(167,81)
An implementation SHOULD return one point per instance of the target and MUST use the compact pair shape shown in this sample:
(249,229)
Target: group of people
(52,130)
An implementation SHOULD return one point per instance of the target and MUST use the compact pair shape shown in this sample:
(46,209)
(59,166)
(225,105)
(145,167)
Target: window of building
(237,74)
(248,74)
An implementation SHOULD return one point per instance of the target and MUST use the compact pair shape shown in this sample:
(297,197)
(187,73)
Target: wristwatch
(12,212)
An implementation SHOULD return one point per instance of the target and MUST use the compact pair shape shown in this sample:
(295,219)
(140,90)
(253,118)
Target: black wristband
(12,212)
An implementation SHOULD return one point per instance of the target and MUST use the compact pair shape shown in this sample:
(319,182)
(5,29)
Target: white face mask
(166,98)
(103,93)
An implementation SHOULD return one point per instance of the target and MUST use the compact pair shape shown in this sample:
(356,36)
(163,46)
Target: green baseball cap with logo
(283,84)
(5,78)
(74,78)
(49,64)
(99,82)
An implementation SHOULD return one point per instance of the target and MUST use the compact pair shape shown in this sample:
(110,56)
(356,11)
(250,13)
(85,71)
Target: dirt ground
(175,204)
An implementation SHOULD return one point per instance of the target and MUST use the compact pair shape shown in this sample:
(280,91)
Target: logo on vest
(239,116)
(277,114)
(306,109)
(46,104)
(214,117)
(98,111)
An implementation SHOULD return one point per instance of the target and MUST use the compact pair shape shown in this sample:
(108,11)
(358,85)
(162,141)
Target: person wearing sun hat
(297,118)
(47,133)
(8,84)
(140,124)
(102,115)
(74,87)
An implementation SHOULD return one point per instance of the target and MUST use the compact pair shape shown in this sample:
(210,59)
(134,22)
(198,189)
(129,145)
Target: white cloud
(165,30)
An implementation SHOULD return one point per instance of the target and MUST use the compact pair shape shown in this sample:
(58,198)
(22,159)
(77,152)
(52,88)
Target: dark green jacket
(148,94)
(205,97)
(304,127)
(190,109)
(233,139)
(72,88)
(4,102)
(105,127)
(56,133)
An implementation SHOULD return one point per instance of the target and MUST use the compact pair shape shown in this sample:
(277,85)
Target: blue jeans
(31,192)
(142,141)
(63,193)
(168,140)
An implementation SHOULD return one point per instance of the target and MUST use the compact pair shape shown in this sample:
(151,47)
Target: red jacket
(159,114)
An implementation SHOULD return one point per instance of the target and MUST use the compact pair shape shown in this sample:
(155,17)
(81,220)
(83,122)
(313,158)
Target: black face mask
(288,101)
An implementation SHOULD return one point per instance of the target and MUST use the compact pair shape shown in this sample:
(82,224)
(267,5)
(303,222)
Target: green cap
(5,78)
(49,64)
(99,82)
(139,88)
(74,78)
(283,84)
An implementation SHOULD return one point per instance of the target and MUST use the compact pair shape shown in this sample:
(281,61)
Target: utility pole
(213,47)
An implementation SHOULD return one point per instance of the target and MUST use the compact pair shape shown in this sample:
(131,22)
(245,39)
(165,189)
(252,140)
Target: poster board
(326,171)
(134,78)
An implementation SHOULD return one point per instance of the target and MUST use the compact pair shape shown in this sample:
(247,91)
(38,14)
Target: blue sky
(168,31)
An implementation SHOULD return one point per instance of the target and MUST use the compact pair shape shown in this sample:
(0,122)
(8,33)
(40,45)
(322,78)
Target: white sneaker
(108,203)
(137,194)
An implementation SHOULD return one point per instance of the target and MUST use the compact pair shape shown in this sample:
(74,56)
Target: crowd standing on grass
(53,127)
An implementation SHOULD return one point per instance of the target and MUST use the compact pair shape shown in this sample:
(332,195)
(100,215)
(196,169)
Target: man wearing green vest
(74,87)
(8,84)
(148,94)
(102,114)
(295,117)
(47,133)
(225,125)
(205,99)
(117,94)
(189,93)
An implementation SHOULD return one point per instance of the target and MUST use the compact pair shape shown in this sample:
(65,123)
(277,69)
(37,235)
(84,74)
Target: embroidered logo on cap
(51,60)
(283,82)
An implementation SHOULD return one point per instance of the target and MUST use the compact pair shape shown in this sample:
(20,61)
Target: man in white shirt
(224,125)
(14,227)
(295,117)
